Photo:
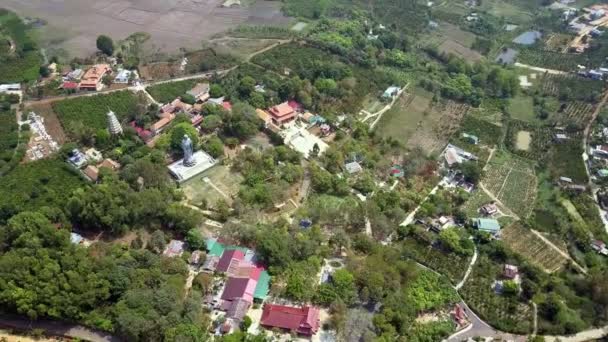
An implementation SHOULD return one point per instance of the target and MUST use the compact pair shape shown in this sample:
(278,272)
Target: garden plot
(534,249)
(500,311)
(451,265)
(513,182)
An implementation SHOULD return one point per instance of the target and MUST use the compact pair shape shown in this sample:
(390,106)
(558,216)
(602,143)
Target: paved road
(56,328)
(480,328)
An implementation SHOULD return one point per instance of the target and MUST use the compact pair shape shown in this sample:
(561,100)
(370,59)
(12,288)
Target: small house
(210,264)
(76,238)
(175,248)
(602,173)
(195,258)
(559,137)
(124,76)
(489,209)
(353,168)
(110,164)
(391,92)
(565,180)
(510,271)
(601,151)
(93,155)
(77,159)
(74,75)
(91,172)
(471,138)
(599,246)
(200,91)
(486,225)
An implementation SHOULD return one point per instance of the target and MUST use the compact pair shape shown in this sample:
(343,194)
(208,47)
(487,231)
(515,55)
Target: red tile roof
(304,320)
(227,105)
(280,110)
(144,134)
(70,85)
(227,259)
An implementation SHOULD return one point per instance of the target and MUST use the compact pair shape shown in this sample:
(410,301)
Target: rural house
(510,271)
(304,321)
(200,92)
(92,79)
(282,113)
(486,225)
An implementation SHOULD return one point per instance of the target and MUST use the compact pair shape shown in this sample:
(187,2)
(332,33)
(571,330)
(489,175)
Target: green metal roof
(488,225)
(263,286)
(214,248)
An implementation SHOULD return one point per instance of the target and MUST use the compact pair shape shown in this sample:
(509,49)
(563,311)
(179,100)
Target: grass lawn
(221,184)
(522,108)
(402,121)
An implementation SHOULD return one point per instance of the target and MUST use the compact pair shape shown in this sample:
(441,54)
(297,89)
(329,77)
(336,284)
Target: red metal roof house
(242,288)
(230,260)
(304,320)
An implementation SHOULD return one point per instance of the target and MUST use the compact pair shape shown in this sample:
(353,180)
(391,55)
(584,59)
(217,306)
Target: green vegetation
(37,184)
(167,92)
(21,61)
(90,111)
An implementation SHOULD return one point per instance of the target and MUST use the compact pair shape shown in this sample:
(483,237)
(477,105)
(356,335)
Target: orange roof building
(282,113)
(93,77)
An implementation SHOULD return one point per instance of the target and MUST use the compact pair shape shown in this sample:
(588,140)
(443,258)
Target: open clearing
(452,47)
(416,122)
(523,140)
(73,25)
(533,248)
(51,121)
(212,185)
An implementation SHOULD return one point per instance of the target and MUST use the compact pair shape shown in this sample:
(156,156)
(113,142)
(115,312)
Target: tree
(157,242)
(178,132)
(510,288)
(181,218)
(246,323)
(214,147)
(216,91)
(44,71)
(186,333)
(211,123)
(105,45)
(471,171)
(343,283)
(195,239)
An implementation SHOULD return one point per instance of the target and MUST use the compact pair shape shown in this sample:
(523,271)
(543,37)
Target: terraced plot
(526,243)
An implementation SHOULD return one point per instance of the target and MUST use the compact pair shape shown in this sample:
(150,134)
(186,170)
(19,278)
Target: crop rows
(519,191)
(577,112)
(526,243)
(542,140)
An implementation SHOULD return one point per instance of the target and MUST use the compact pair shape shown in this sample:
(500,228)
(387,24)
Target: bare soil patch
(524,138)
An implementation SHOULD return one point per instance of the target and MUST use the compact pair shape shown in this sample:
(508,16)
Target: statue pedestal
(182,172)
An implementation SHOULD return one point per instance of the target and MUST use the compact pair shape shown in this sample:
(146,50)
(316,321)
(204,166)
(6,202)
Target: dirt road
(56,328)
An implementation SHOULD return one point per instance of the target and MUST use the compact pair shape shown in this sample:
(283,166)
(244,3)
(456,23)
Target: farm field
(172,24)
(565,160)
(9,134)
(415,122)
(501,312)
(521,107)
(91,110)
(530,246)
(488,133)
(512,181)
